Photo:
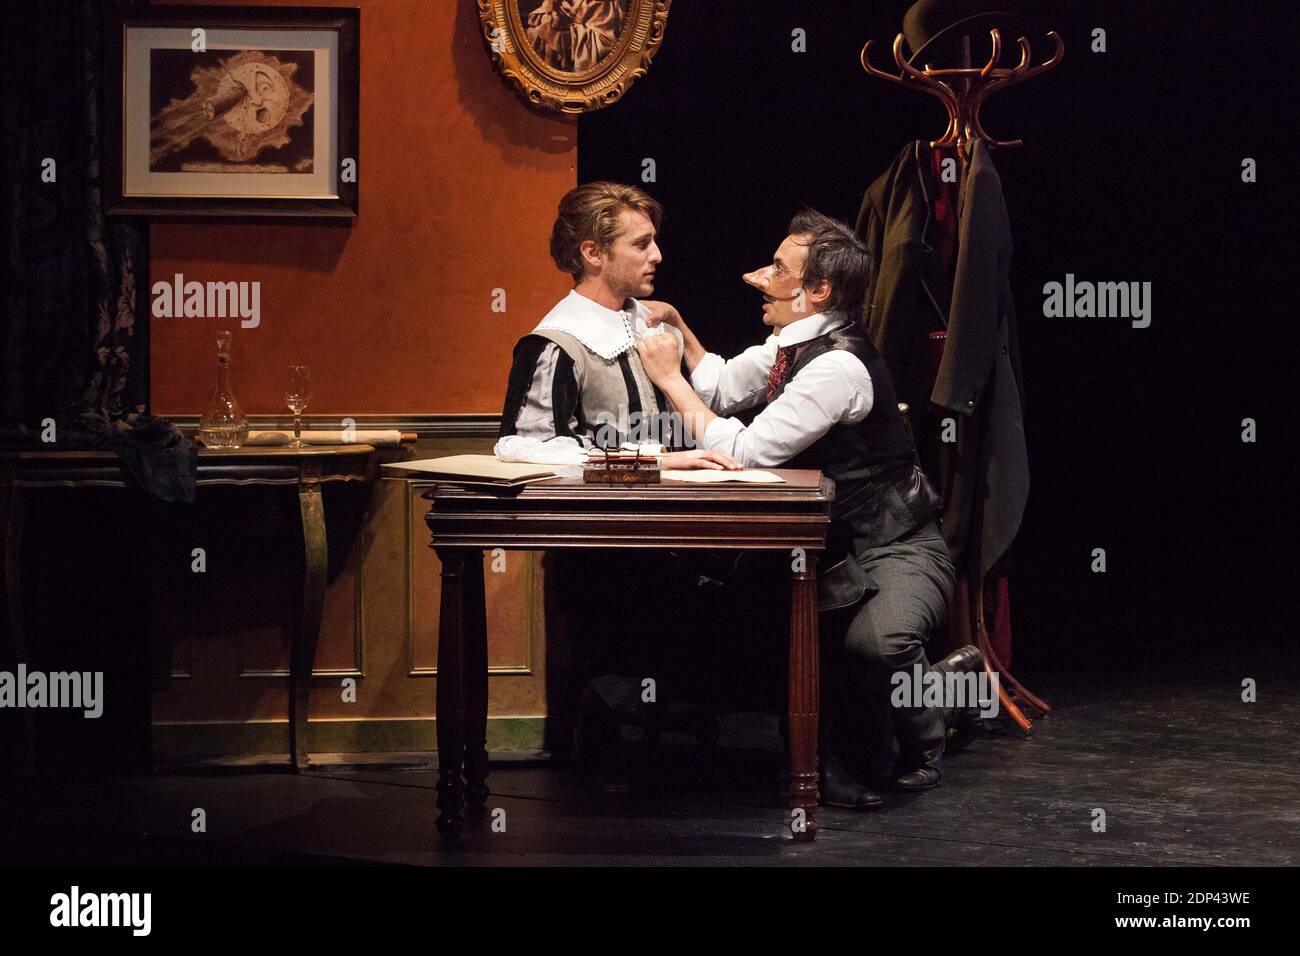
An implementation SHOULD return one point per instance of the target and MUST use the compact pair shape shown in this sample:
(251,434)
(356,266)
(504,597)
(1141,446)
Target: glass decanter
(223,424)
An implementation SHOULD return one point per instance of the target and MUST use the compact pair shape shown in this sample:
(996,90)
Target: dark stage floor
(1190,776)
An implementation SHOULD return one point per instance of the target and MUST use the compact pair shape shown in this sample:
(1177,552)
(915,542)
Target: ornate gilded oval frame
(546,86)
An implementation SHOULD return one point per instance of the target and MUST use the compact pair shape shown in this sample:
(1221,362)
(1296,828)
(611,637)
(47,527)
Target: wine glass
(296,395)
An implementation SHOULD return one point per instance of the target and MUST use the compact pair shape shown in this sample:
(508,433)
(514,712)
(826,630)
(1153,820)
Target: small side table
(307,468)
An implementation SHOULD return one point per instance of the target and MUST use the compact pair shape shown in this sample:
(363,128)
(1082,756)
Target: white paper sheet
(710,476)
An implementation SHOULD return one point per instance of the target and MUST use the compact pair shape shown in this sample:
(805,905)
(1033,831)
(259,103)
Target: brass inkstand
(629,465)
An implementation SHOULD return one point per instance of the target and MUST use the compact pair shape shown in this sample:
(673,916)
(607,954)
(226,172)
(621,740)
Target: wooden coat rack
(963,90)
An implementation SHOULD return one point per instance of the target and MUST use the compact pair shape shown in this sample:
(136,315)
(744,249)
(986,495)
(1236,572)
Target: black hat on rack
(934,28)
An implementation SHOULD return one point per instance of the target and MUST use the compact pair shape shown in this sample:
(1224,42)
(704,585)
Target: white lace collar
(607,332)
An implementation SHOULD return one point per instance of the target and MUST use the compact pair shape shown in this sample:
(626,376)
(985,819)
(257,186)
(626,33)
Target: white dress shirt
(608,333)
(834,388)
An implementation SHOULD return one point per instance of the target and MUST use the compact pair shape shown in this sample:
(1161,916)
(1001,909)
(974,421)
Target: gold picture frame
(573,56)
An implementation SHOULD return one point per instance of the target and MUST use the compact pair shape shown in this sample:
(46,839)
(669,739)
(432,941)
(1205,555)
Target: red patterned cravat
(777,375)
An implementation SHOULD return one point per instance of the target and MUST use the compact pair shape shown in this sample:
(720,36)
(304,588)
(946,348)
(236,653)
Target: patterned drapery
(74,328)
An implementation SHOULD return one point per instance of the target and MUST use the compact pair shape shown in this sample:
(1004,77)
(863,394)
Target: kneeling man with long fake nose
(886,575)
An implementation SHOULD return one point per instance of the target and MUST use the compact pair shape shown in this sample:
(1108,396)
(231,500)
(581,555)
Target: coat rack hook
(994,56)
(865,59)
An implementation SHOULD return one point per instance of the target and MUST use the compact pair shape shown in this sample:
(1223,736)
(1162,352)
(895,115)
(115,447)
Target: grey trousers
(889,632)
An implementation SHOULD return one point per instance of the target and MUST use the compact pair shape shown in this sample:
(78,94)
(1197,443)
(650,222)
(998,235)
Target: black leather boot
(836,786)
(838,789)
(962,660)
(963,723)
(928,772)
(916,726)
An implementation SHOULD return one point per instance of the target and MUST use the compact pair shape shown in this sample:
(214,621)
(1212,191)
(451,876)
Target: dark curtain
(74,336)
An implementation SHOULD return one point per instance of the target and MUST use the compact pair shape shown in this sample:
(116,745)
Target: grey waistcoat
(618,401)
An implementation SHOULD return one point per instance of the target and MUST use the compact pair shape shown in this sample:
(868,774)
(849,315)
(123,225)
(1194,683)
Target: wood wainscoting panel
(507,582)
(341,650)
(227,629)
(513,584)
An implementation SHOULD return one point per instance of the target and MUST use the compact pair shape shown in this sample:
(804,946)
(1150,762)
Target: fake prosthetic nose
(761,279)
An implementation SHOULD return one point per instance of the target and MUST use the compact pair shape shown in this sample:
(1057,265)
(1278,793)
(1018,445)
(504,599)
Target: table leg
(451,687)
(475,684)
(302,655)
(804,651)
(11,526)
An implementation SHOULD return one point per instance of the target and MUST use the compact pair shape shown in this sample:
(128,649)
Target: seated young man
(830,405)
(576,383)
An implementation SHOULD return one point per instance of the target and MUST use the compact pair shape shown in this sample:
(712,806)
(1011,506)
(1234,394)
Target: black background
(1130,171)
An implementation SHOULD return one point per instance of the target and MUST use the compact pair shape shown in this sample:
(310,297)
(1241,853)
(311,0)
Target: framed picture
(232,111)
(573,55)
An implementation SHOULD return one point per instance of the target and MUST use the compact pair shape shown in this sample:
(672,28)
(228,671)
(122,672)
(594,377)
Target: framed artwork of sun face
(573,55)
(232,111)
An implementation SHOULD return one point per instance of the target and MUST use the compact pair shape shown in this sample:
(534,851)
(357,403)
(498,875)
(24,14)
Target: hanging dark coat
(978,381)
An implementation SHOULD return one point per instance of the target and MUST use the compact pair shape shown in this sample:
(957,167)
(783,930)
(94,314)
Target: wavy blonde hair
(591,211)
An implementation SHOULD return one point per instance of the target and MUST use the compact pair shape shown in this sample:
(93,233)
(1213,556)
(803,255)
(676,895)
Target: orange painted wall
(458,182)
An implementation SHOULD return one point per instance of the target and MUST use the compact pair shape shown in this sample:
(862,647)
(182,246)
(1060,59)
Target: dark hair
(591,212)
(835,254)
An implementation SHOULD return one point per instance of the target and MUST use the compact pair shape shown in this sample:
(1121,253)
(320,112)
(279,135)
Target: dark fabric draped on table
(74,336)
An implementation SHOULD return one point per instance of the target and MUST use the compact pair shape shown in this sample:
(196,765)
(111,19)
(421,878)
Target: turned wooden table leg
(804,651)
(302,655)
(11,526)
(451,686)
(475,684)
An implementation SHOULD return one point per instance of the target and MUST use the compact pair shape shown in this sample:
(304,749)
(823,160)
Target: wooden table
(306,468)
(566,513)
